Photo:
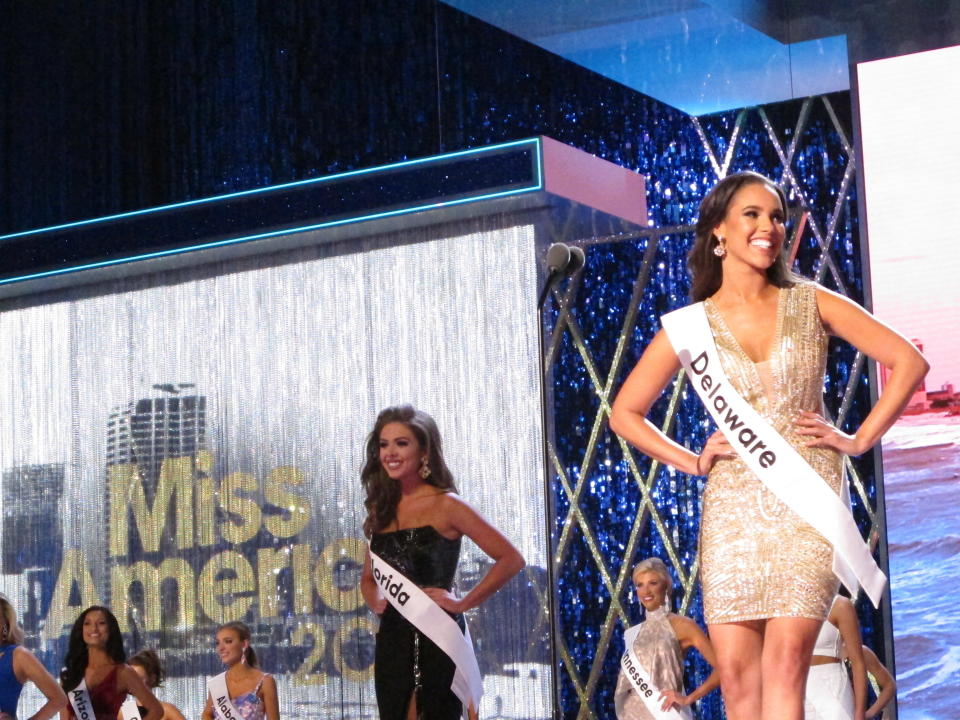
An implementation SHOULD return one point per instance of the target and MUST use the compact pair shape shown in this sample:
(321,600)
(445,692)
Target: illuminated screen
(911,147)
(186,449)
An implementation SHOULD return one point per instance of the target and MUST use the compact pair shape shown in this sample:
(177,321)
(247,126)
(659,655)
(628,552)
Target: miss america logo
(395,590)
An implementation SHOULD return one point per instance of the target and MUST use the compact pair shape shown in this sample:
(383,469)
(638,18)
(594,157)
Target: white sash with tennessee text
(433,621)
(643,684)
(80,700)
(774,461)
(130,710)
(223,708)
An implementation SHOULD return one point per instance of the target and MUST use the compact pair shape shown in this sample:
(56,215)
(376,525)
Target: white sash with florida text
(433,621)
(643,684)
(774,461)
(80,701)
(223,707)
(130,710)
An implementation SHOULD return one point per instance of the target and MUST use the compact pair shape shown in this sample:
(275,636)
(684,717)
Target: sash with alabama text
(774,461)
(642,683)
(429,618)
(223,708)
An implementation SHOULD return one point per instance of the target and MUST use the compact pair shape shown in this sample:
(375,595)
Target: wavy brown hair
(705,267)
(383,493)
(151,664)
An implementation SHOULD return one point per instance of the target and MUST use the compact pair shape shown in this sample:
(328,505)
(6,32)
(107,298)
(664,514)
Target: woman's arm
(888,686)
(507,559)
(643,386)
(368,588)
(27,667)
(847,320)
(844,616)
(207,713)
(171,711)
(689,635)
(130,682)
(268,693)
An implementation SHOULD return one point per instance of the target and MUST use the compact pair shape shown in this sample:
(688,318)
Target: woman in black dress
(415,521)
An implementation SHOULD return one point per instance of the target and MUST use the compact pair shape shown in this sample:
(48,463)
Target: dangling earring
(720,249)
(424,468)
(243,656)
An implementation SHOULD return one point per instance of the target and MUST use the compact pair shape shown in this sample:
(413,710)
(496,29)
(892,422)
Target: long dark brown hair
(383,493)
(705,267)
(75,663)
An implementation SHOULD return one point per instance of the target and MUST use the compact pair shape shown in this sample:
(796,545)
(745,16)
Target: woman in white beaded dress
(660,644)
(767,574)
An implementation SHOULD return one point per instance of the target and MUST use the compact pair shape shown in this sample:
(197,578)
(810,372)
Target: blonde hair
(657,566)
(14,632)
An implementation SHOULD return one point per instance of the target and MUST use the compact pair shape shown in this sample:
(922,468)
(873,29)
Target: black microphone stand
(570,263)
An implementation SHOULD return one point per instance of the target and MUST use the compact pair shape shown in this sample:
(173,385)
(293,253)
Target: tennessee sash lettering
(778,465)
(223,708)
(641,682)
(430,619)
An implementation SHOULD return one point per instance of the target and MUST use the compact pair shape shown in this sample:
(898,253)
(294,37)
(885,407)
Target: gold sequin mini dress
(758,558)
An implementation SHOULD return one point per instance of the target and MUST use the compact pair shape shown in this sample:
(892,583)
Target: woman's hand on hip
(671,698)
(717,448)
(445,599)
(817,432)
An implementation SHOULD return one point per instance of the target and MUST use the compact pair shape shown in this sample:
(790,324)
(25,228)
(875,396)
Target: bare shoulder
(451,505)
(682,625)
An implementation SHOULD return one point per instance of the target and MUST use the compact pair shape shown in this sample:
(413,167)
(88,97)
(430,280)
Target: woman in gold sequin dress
(767,575)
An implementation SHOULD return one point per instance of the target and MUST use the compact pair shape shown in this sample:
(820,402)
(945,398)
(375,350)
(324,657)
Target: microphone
(558,257)
(562,260)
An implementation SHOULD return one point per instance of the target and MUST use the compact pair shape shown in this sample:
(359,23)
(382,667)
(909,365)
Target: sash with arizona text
(223,708)
(429,618)
(774,461)
(642,684)
(80,701)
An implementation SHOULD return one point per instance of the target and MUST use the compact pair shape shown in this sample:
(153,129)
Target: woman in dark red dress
(96,671)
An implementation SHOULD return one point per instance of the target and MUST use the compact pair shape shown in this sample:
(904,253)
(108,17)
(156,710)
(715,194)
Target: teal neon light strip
(534,142)
(274,233)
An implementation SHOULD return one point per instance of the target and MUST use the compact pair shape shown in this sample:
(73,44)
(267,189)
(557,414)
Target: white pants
(829,694)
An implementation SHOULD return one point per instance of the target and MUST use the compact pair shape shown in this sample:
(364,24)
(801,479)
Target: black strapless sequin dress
(407,661)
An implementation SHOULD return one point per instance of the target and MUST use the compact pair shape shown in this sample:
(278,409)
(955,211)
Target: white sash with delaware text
(777,463)
(130,710)
(643,684)
(429,618)
(223,708)
(80,700)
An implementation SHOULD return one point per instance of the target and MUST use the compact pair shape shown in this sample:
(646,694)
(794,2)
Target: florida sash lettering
(223,708)
(778,465)
(80,700)
(129,709)
(642,683)
(429,618)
